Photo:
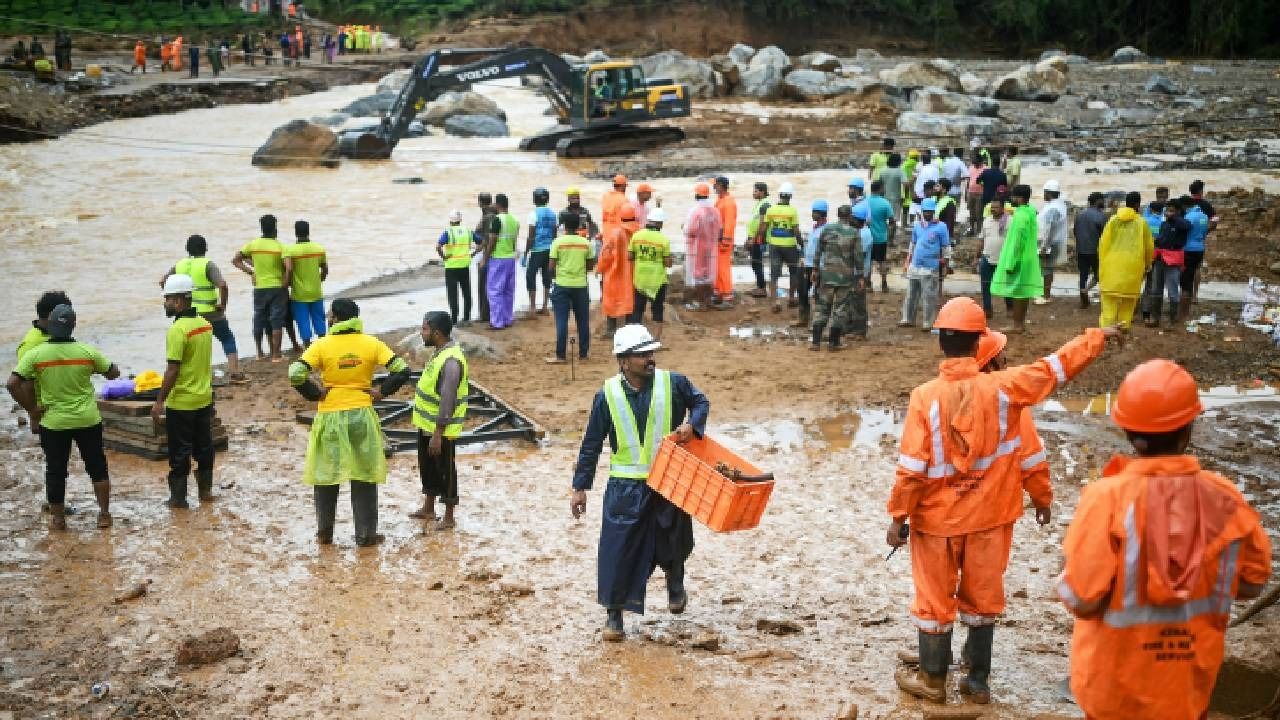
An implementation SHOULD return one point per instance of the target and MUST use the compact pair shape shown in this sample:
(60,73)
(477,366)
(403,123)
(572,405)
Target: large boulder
(741,53)
(681,68)
(762,82)
(1042,82)
(1128,54)
(729,71)
(826,62)
(1076,60)
(868,54)
(1051,54)
(299,144)
(370,105)
(394,82)
(1162,84)
(772,57)
(931,73)
(816,85)
(595,56)
(934,125)
(452,104)
(974,85)
(473,345)
(476,126)
(937,100)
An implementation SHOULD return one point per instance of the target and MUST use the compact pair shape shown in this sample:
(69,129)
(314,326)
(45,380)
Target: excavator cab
(618,91)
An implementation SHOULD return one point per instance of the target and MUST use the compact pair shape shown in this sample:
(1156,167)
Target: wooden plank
(127,408)
(141,424)
(126,436)
(161,453)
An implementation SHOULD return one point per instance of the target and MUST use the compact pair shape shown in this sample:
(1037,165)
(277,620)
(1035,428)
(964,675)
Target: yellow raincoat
(1124,254)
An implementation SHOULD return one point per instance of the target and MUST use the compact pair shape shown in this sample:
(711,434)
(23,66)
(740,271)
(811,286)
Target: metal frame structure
(502,421)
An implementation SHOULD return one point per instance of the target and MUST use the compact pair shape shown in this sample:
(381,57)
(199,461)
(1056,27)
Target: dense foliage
(126,17)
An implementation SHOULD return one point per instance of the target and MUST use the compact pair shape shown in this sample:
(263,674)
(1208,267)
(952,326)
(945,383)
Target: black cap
(722,180)
(62,322)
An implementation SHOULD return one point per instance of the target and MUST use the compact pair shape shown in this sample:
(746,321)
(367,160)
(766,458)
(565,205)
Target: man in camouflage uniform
(841,287)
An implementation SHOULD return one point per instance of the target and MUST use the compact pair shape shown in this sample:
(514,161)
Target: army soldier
(837,274)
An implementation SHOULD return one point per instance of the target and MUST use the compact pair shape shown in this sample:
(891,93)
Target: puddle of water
(862,428)
(1213,397)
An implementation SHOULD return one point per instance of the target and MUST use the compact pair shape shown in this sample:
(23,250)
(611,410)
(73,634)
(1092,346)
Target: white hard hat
(787,189)
(656,215)
(455,216)
(177,284)
(633,339)
(1052,186)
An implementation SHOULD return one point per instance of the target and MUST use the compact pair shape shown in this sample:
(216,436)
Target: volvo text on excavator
(598,105)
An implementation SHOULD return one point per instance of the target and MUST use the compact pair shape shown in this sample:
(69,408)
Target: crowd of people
(1157,549)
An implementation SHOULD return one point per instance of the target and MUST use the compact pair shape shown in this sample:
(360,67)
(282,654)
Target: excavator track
(601,142)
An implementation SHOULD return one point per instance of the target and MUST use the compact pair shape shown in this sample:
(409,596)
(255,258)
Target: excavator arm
(429,82)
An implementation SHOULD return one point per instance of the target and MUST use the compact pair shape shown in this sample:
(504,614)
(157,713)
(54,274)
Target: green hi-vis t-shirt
(571,253)
(267,255)
(62,370)
(304,284)
(35,336)
(189,342)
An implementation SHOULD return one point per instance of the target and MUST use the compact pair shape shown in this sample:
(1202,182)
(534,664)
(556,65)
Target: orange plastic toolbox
(685,474)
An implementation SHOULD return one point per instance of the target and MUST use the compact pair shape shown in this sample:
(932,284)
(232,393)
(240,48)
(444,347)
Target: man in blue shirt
(542,224)
(927,260)
(819,209)
(881,219)
(1193,254)
(640,529)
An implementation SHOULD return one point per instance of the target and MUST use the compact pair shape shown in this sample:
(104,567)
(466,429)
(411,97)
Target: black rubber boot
(677,598)
(930,681)
(204,485)
(834,342)
(177,494)
(978,647)
(817,336)
(613,630)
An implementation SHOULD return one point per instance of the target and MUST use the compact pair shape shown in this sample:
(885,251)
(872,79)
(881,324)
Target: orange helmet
(961,314)
(644,187)
(990,344)
(702,190)
(1158,396)
(619,179)
(628,213)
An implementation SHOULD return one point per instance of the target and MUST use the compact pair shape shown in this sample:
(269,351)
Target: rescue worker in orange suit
(1156,553)
(614,266)
(959,481)
(728,209)
(139,57)
(166,55)
(611,205)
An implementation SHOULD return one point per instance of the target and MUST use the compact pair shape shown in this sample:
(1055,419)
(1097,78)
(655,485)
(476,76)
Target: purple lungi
(501,289)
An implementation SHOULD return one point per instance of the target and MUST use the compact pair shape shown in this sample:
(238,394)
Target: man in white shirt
(1053,235)
(926,171)
(955,170)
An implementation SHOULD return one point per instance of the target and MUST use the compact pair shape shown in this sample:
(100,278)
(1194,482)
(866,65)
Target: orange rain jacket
(728,209)
(614,266)
(959,464)
(1165,544)
(611,210)
(1034,463)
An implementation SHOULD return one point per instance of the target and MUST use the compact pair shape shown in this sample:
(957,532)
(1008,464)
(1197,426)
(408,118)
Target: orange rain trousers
(963,574)
(618,296)
(1155,648)
(728,209)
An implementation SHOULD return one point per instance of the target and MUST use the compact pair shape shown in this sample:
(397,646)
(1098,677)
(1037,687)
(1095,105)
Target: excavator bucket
(364,145)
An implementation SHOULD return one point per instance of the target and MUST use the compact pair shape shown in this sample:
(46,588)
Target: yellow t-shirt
(189,342)
(267,256)
(346,363)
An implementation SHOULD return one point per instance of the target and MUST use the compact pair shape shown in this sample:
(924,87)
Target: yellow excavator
(599,105)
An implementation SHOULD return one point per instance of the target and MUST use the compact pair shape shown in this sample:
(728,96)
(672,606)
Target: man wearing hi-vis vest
(439,410)
(1156,553)
(640,529)
(455,249)
(209,297)
(959,481)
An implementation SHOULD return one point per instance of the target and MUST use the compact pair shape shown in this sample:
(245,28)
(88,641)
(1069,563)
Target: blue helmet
(819,206)
(858,183)
(860,211)
(929,205)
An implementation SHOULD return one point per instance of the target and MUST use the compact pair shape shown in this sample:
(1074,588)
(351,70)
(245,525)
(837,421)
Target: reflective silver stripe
(941,471)
(628,434)
(1031,461)
(1005,448)
(1056,363)
(977,620)
(912,464)
(1131,614)
(1004,413)
(438,420)
(1068,595)
(1131,552)
(932,626)
(935,430)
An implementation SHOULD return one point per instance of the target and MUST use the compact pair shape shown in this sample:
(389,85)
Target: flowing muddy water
(102,212)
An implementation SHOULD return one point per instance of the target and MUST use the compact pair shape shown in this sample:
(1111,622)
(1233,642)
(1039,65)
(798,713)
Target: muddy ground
(498,617)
